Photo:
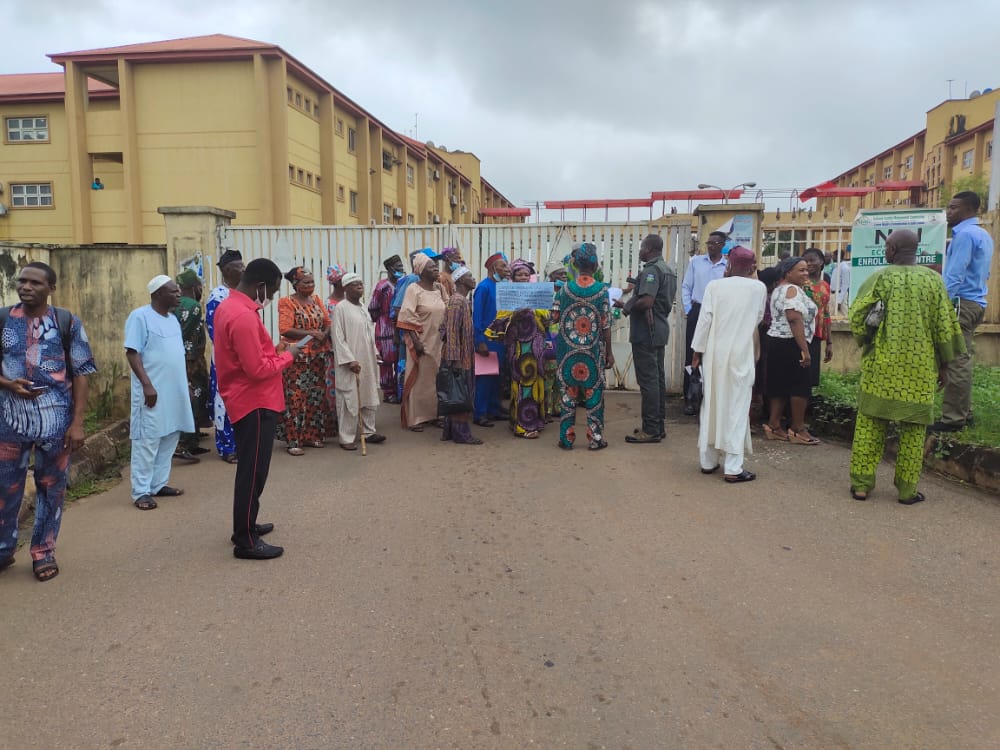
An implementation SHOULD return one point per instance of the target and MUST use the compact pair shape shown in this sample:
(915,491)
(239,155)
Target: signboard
(537,295)
(742,233)
(872,229)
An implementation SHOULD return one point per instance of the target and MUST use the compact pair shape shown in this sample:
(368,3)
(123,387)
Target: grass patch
(842,389)
(93,486)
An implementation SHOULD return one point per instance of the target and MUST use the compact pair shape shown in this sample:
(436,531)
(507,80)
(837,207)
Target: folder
(488,365)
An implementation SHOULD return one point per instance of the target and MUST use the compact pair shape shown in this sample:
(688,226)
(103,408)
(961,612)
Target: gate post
(192,230)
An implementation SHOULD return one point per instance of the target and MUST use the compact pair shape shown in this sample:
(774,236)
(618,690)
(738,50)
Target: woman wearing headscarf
(523,333)
(818,290)
(335,277)
(302,314)
(553,392)
(582,311)
(231,267)
(793,320)
(459,346)
(419,322)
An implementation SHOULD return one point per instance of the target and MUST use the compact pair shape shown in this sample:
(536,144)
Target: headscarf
(493,259)
(787,265)
(459,273)
(157,282)
(335,273)
(585,253)
(296,274)
(187,279)
(420,262)
(453,255)
(350,278)
(741,260)
(228,257)
(427,251)
(389,263)
(519,264)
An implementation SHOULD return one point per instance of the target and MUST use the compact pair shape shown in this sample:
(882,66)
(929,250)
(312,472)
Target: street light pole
(725,193)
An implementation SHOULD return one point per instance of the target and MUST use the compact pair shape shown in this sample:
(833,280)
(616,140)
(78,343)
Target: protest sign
(537,295)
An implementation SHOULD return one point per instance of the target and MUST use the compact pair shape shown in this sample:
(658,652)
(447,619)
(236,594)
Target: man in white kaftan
(353,336)
(726,346)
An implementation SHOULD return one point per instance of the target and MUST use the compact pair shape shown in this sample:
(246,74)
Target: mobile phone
(301,343)
(37,387)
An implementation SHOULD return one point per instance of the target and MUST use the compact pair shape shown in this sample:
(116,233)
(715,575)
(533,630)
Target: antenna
(950,81)
(415,116)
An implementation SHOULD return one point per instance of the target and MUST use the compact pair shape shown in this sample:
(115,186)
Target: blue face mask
(497,277)
(452,266)
(559,283)
(397,274)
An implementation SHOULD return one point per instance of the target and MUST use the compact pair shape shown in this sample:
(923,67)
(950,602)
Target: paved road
(513,596)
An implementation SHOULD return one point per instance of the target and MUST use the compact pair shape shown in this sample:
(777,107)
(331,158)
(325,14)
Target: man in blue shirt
(43,398)
(484,311)
(966,271)
(701,270)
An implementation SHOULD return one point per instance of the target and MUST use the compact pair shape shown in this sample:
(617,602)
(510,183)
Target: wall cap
(210,210)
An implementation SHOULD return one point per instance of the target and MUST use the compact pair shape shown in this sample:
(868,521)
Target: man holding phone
(43,397)
(249,370)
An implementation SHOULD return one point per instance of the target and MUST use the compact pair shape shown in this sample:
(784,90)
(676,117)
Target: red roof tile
(210,43)
(41,87)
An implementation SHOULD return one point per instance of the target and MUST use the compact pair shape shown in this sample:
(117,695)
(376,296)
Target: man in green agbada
(904,360)
(192,322)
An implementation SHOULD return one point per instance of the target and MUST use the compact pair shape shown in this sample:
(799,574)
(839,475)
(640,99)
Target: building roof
(886,152)
(45,87)
(197,44)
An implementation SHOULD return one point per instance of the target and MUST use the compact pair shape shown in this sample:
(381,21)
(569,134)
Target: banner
(742,233)
(872,229)
(537,295)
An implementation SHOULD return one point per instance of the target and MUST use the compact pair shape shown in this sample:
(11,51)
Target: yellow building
(89,154)
(957,142)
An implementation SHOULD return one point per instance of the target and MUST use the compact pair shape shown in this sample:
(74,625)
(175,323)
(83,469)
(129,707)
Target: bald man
(904,360)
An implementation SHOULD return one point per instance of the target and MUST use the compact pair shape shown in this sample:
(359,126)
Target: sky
(575,99)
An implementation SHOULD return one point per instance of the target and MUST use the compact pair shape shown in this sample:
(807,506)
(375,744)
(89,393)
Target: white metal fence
(363,249)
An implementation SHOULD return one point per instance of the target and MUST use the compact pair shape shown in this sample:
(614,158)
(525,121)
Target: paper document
(488,365)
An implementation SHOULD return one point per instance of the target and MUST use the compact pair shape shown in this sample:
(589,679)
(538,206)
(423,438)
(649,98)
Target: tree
(976,183)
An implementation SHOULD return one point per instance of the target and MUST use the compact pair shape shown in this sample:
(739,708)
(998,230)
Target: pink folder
(488,365)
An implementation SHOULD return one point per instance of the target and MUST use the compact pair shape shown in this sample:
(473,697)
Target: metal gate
(362,250)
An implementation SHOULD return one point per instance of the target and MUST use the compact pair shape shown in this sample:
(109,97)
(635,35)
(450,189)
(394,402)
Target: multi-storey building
(89,154)
(956,142)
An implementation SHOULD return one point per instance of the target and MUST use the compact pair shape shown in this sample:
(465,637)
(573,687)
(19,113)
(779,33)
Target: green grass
(843,389)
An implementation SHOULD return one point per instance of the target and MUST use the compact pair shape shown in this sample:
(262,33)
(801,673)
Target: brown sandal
(296,452)
(772,434)
(802,438)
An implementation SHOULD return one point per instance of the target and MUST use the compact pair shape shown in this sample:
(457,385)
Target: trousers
(254,435)
(867,449)
(651,375)
(711,457)
(151,463)
(956,402)
(51,471)
(690,324)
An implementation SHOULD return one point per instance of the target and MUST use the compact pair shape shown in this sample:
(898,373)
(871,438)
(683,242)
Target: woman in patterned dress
(302,314)
(231,266)
(582,311)
(459,345)
(818,291)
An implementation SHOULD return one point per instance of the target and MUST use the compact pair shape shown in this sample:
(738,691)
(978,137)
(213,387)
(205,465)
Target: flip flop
(167,491)
(144,503)
(45,570)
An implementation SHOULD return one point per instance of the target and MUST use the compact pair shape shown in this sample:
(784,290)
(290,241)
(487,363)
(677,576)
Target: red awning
(900,184)
(810,193)
(694,195)
(505,212)
(834,192)
(603,203)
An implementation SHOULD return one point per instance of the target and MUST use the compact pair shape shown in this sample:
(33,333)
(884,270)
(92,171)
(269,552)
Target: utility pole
(415,116)
(950,81)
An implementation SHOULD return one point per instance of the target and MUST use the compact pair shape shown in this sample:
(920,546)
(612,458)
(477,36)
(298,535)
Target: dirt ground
(514,595)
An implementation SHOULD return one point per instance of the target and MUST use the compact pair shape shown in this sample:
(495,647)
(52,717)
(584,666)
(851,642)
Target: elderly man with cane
(353,336)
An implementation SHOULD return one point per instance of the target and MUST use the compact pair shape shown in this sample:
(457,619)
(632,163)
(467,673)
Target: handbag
(695,390)
(875,315)
(453,392)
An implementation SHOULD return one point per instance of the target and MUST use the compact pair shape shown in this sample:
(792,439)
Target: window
(340,193)
(309,179)
(31,195)
(290,95)
(352,139)
(340,127)
(301,175)
(386,213)
(409,219)
(291,173)
(909,163)
(317,182)
(430,175)
(354,203)
(409,175)
(967,159)
(387,161)
(298,99)
(307,106)
(989,149)
(24,129)
(887,173)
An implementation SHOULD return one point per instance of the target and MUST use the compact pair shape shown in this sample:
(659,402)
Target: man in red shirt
(249,368)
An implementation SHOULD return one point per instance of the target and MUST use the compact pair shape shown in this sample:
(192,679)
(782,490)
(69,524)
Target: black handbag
(695,389)
(453,392)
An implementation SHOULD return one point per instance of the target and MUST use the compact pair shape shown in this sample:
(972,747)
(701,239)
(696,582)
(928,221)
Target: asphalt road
(514,595)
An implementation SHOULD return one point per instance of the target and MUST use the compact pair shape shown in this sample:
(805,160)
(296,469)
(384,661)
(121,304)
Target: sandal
(710,471)
(859,494)
(772,434)
(802,438)
(482,422)
(187,457)
(375,438)
(296,452)
(743,476)
(918,498)
(167,491)
(349,446)
(530,435)
(45,570)
(315,444)
(144,503)
(230,458)
(598,445)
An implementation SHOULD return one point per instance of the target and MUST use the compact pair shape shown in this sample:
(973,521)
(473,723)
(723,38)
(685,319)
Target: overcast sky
(565,99)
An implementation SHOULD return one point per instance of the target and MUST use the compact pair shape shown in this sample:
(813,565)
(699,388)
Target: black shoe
(259,529)
(689,410)
(945,427)
(261,550)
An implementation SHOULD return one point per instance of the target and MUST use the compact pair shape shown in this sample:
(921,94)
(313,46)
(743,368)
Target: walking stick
(361,426)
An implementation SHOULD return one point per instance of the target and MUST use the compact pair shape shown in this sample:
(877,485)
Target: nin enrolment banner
(872,229)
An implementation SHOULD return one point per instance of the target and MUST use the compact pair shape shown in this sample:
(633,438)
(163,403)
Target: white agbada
(353,336)
(730,312)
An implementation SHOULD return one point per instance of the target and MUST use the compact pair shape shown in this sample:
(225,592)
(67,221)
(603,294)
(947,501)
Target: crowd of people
(754,342)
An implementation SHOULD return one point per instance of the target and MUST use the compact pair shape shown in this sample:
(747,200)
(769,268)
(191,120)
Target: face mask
(559,284)
(397,274)
(497,277)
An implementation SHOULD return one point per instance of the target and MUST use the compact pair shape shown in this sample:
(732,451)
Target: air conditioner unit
(454,199)
(437,175)
(3,210)
(398,213)
(1,188)
(437,219)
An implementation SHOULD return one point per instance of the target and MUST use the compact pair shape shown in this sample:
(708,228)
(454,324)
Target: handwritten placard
(537,295)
